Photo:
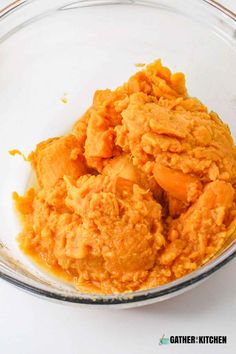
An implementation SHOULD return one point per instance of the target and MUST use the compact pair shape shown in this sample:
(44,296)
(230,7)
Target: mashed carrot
(140,193)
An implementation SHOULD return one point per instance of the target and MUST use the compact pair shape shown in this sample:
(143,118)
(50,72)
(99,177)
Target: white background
(30,325)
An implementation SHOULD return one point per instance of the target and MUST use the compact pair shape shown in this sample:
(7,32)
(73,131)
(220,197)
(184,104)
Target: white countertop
(32,325)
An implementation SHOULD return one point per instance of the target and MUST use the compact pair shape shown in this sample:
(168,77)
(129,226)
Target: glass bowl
(49,48)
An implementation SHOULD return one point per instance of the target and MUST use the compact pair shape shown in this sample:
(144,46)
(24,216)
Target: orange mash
(140,193)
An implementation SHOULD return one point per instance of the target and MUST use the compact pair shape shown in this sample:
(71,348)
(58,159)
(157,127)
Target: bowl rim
(12,6)
(137,296)
(133,297)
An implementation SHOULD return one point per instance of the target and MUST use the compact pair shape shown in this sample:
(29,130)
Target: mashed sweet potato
(140,193)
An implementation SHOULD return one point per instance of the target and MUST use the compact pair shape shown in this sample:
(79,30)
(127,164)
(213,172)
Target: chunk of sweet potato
(100,138)
(179,185)
(57,157)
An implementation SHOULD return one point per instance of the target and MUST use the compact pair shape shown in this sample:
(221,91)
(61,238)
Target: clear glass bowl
(48,48)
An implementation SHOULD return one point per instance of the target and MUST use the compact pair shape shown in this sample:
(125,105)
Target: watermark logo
(164,340)
(192,340)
